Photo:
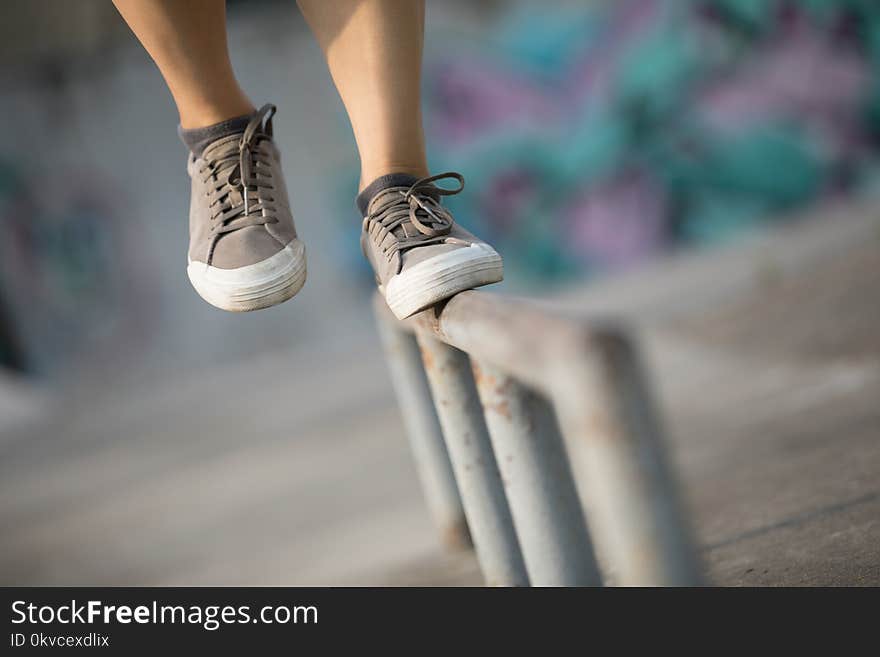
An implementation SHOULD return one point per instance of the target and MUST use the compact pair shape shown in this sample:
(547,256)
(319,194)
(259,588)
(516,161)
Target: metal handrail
(488,386)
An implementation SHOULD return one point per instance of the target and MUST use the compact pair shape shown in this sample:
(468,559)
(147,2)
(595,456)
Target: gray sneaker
(419,254)
(243,251)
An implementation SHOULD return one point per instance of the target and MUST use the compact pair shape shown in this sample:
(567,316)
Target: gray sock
(198,139)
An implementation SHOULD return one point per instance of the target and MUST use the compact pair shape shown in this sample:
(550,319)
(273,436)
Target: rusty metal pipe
(538,481)
(633,505)
(476,471)
(591,373)
(423,429)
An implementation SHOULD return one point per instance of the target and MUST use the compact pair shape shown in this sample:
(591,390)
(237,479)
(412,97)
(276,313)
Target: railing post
(540,488)
(423,429)
(476,471)
(590,373)
(633,506)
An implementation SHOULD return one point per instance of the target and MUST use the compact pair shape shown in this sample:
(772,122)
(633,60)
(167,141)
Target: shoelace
(412,216)
(234,176)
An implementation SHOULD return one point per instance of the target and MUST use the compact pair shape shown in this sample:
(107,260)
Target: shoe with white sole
(419,254)
(244,253)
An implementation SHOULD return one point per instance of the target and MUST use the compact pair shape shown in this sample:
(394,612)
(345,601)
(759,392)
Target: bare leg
(374,52)
(187,40)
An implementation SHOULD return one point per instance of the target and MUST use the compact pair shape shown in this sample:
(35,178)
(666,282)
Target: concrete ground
(292,468)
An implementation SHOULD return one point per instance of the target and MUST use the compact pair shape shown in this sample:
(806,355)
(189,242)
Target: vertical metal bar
(633,506)
(540,488)
(424,432)
(470,450)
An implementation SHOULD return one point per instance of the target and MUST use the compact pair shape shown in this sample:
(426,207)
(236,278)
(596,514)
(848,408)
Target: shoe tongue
(379,184)
(222,146)
(229,143)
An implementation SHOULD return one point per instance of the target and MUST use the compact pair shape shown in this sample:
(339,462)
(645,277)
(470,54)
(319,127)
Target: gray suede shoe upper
(406,225)
(239,209)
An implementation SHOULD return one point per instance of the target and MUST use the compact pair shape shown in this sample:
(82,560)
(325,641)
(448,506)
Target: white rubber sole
(253,287)
(441,277)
